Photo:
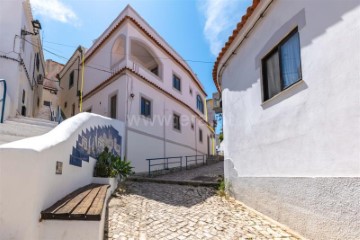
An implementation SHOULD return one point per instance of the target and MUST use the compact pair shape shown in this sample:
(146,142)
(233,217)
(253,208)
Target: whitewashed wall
(146,138)
(290,156)
(28,183)
(13,18)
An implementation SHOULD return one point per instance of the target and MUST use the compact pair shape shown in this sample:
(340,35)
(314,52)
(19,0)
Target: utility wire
(165,58)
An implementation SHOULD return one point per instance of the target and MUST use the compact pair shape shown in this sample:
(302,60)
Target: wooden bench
(85,203)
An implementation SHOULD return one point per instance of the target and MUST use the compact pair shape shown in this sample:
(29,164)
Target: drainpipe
(3,100)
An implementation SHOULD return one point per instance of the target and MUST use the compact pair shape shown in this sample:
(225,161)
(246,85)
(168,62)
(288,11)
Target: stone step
(22,129)
(4,138)
(34,121)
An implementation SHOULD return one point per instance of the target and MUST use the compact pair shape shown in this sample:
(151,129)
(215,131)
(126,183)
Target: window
(145,107)
(37,61)
(192,126)
(176,121)
(199,104)
(113,101)
(65,105)
(23,97)
(282,66)
(176,82)
(200,135)
(71,79)
(190,91)
(73,110)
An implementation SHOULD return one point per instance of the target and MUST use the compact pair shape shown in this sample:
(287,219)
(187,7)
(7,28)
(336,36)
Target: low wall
(28,179)
(318,208)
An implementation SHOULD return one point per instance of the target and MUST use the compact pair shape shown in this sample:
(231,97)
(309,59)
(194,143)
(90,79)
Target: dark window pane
(176,119)
(200,135)
(145,107)
(290,60)
(176,83)
(199,104)
(273,75)
(113,101)
(71,79)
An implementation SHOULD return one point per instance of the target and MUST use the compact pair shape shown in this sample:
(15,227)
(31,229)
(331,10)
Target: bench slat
(87,202)
(96,207)
(78,204)
(73,203)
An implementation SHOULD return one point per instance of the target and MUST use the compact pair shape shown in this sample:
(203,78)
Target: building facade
(290,83)
(133,75)
(49,101)
(21,59)
(70,84)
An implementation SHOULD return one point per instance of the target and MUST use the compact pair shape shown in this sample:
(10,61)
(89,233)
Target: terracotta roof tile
(231,38)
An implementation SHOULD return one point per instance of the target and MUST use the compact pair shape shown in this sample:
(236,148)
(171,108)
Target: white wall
(29,165)
(296,157)
(313,128)
(14,17)
(148,135)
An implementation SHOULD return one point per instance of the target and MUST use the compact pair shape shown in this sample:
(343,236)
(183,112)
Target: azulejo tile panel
(91,142)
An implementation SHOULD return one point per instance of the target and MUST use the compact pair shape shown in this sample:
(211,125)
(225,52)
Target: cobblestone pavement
(212,170)
(167,211)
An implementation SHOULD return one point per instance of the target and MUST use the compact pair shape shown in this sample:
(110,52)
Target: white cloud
(54,9)
(221,17)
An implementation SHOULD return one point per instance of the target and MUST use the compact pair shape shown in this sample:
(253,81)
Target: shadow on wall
(310,27)
(175,195)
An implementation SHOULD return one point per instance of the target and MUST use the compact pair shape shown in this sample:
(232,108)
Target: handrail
(3,100)
(51,113)
(194,158)
(165,163)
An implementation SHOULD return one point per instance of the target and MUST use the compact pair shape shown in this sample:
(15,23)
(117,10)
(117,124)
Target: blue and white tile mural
(93,141)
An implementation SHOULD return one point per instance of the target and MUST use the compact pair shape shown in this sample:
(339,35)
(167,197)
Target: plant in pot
(110,165)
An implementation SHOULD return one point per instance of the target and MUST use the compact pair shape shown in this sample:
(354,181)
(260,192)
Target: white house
(290,83)
(133,75)
(21,59)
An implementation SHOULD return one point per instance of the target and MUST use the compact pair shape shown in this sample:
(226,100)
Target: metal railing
(198,159)
(164,163)
(3,100)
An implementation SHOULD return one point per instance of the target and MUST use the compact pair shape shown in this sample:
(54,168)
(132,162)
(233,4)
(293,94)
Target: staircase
(44,113)
(18,128)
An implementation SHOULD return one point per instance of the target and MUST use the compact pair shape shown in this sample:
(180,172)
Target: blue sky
(196,29)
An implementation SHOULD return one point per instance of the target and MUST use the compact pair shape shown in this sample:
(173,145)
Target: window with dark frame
(37,61)
(73,110)
(281,67)
(145,107)
(113,101)
(176,82)
(176,119)
(71,79)
(200,135)
(199,103)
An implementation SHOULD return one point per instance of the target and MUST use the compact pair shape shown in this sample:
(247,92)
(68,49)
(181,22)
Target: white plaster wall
(13,18)
(313,128)
(296,157)
(29,164)
(146,134)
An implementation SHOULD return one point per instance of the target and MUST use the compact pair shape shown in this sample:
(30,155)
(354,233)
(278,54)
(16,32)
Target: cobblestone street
(169,211)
